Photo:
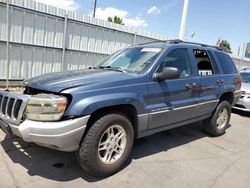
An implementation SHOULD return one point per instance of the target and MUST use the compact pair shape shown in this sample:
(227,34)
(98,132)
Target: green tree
(225,46)
(110,19)
(116,20)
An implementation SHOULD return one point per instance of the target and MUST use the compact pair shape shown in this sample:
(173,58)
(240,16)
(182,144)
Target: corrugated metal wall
(38,39)
(48,39)
(240,62)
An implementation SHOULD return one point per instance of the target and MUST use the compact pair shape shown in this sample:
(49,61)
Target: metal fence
(241,62)
(44,39)
(39,38)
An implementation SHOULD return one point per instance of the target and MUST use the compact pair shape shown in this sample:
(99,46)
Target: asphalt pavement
(182,157)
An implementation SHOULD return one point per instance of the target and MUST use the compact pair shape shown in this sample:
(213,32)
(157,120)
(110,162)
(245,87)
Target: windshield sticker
(156,50)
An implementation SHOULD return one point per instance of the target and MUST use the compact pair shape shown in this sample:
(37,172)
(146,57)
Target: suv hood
(56,82)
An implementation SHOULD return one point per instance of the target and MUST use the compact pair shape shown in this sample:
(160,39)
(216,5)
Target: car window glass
(136,59)
(203,62)
(178,58)
(245,77)
(121,61)
(213,62)
(226,63)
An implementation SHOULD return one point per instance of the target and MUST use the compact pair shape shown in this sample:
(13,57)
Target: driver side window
(178,58)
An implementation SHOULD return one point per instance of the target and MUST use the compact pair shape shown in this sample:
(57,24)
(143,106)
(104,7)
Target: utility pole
(239,51)
(242,57)
(94,8)
(183,20)
(243,50)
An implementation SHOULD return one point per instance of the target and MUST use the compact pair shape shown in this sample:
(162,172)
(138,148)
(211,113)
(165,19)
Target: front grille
(12,106)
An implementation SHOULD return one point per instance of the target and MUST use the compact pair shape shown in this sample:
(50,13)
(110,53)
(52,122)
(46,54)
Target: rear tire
(107,145)
(217,124)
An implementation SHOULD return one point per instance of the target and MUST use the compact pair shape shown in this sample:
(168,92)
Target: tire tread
(84,154)
(209,125)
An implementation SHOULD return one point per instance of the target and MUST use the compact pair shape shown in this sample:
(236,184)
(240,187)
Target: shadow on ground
(61,166)
(241,113)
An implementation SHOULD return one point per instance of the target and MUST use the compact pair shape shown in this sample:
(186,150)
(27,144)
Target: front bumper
(237,95)
(64,135)
(243,104)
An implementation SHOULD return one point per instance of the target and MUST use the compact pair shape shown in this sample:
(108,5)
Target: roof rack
(178,41)
(151,42)
(246,68)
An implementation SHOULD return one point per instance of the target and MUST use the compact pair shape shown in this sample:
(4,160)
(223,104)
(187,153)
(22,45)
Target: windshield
(136,59)
(246,77)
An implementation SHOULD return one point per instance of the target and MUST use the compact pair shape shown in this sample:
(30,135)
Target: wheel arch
(128,110)
(227,96)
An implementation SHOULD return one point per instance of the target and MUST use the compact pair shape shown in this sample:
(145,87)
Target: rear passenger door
(173,101)
(210,82)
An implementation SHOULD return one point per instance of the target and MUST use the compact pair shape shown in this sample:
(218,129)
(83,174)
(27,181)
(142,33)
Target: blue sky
(209,19)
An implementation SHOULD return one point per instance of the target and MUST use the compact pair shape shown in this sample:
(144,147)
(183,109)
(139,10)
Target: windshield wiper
(113,68)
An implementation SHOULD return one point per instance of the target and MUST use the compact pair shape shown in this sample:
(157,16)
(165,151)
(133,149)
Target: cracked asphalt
(182,157)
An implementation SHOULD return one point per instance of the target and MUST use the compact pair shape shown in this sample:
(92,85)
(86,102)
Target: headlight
(45,107)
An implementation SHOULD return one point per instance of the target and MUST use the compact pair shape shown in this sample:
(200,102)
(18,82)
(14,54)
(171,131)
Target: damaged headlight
(46,107)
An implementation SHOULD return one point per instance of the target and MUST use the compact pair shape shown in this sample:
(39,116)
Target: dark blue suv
(133,93)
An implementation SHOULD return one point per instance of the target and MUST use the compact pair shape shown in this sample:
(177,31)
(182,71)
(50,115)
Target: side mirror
(168,73)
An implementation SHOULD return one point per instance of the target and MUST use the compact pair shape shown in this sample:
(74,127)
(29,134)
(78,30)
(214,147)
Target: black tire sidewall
(105,122)
(213,123)
(109,168)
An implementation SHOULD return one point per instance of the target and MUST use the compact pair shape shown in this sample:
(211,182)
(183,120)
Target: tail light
(241,81)
(238,82)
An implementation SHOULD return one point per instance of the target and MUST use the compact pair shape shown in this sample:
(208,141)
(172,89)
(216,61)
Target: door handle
(221,81)
(191,85)
(210,87)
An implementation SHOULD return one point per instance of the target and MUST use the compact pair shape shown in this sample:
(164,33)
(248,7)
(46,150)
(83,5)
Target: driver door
(173,101)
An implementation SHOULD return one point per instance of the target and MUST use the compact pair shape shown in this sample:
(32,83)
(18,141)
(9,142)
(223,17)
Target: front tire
(217,124)
(107,145)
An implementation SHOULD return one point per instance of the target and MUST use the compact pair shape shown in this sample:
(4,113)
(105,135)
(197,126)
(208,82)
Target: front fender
(88,105)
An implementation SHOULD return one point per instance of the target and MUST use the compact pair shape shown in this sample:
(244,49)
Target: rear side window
(226,62)
(204,64)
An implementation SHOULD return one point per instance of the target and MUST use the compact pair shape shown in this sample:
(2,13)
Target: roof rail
(178,41)
(246,68)
(174,41)
(151,42)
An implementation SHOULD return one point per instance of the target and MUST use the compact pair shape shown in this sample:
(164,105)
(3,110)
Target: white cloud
(135,22)
(110,11)
(153,10)
(64,4)
(104,13)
